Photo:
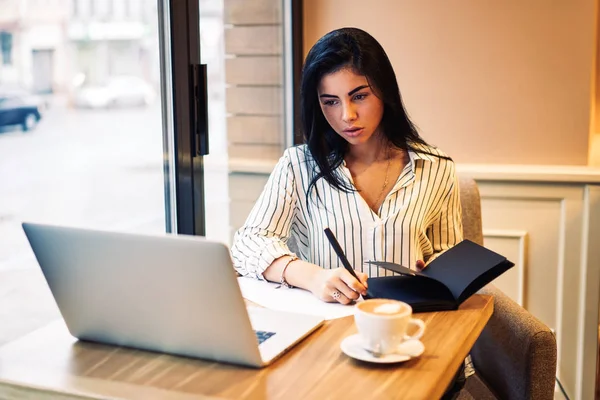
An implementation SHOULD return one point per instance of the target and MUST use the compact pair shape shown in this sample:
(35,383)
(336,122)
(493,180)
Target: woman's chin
(357,140)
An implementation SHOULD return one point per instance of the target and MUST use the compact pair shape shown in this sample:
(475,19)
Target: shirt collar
(415,155)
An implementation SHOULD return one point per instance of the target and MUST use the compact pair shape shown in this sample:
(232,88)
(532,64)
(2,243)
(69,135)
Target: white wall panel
(513,245)
(550,283)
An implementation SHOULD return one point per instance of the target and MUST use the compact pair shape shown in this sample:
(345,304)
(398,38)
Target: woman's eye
(329,102)
(360,96)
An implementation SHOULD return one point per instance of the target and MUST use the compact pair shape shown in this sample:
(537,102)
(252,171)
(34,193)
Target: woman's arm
(263,237)
(260,251)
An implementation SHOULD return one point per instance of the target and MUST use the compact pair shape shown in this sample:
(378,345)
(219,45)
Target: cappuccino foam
(388,308)
(383,307)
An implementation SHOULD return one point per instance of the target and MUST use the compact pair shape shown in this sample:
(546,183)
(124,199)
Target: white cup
(383,324)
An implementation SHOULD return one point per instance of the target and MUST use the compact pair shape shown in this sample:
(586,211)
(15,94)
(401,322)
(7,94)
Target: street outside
(100,168)
(96,168)
(89,168)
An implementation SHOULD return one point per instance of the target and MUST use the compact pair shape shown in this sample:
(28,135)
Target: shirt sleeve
(447,231)
(263,237)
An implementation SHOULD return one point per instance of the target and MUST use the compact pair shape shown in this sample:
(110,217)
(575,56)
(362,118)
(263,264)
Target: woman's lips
(353,132)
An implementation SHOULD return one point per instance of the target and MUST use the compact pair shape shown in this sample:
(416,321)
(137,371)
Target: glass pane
(81,139)
(242,43)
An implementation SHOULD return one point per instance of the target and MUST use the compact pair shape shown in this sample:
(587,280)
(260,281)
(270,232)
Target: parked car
(41,101)
(19,110)
(118,91)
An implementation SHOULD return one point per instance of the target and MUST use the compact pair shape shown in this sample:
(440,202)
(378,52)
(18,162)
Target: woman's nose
(349,113)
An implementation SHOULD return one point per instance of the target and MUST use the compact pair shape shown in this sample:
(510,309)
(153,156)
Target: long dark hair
(355,49)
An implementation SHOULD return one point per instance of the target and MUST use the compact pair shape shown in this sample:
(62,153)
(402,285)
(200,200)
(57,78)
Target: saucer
(352,346)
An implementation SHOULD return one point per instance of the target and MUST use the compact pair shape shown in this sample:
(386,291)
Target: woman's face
(350,106)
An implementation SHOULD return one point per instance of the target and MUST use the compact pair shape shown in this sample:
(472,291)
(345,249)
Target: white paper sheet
(291,300)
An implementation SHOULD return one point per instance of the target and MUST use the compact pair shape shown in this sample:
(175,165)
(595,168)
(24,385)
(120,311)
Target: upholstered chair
(515,355)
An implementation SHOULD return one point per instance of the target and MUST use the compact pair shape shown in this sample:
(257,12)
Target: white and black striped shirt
(419,218)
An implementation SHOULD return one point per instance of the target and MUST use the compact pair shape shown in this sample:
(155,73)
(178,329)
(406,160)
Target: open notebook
(447,281)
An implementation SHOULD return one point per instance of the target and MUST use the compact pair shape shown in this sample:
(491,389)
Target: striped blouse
(419,218)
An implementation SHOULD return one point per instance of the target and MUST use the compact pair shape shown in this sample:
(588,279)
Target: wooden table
(50,364)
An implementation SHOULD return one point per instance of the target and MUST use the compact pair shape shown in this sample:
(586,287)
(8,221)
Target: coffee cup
(383,324)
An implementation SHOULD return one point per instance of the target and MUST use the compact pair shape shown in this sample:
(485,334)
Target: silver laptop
(175,294)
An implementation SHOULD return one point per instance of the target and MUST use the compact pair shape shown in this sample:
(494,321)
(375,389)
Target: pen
(340,253)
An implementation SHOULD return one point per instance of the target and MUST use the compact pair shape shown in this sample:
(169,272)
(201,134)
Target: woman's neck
(367,153)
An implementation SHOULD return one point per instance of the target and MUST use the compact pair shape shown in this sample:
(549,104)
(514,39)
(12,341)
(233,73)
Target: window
(245,46)
(127,10)
(82,180)
(6,41)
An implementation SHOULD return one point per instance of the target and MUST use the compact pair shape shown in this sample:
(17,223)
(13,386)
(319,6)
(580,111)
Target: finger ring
(336,295)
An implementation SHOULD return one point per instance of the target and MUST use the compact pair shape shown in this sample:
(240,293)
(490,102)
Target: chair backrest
(470,203)
(516,353)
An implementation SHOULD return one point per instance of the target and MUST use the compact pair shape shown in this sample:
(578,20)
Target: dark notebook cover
(447,281)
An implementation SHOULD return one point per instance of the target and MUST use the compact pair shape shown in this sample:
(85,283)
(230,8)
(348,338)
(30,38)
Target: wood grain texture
(49,362)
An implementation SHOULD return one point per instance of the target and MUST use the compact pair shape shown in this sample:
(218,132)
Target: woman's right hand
(338,285)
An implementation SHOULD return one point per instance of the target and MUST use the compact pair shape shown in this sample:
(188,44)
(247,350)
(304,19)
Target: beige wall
(594,159)
(488,82)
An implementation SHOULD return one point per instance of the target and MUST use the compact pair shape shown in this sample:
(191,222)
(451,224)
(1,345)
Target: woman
(365,173)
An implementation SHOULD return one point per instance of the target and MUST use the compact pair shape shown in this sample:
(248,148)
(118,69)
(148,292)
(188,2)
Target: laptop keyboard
(263,335)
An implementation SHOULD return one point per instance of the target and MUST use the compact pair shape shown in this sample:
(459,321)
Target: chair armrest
(516,353)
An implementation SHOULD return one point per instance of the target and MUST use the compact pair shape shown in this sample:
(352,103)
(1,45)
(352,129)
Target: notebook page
(294,300)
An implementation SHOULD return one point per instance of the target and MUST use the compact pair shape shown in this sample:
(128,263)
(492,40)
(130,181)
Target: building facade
(46,45)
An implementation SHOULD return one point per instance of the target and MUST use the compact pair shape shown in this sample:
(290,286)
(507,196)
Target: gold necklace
(356,174)
(385,182)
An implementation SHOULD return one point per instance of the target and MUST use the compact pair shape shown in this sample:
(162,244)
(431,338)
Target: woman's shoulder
(430,153)
(297,155)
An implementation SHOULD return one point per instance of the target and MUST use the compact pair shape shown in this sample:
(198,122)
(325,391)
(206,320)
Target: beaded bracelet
(282,281)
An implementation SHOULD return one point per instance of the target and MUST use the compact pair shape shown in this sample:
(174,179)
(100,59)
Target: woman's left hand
(420,265)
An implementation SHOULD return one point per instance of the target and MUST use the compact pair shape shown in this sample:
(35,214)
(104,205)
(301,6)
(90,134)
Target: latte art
(384,307)
(388,308)
(384,324)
